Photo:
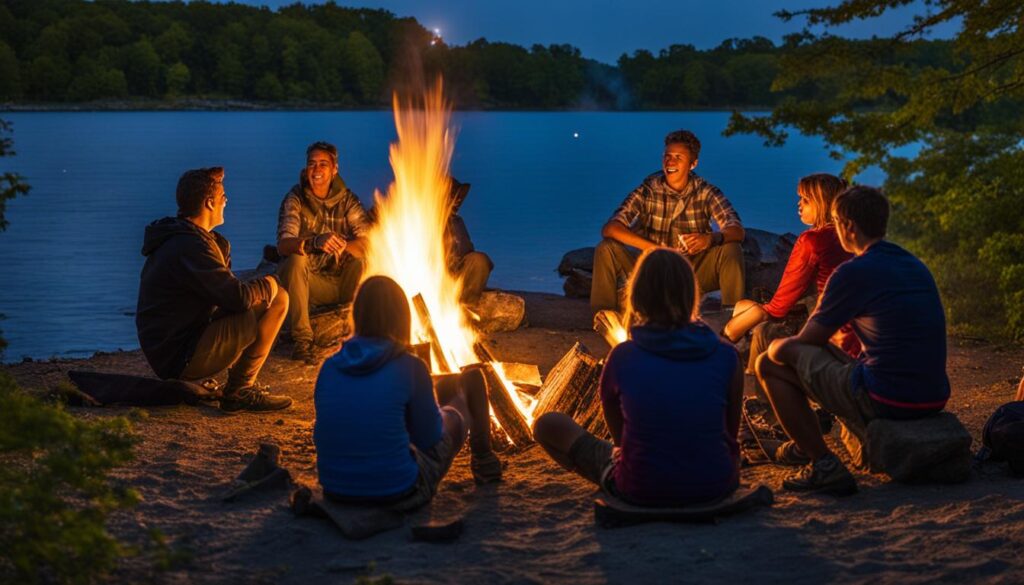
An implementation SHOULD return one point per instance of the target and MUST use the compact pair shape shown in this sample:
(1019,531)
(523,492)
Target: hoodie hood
(360,356)
(162,230)
(695,341)
(334,196)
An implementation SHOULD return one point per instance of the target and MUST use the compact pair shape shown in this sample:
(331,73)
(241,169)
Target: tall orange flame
(407,243)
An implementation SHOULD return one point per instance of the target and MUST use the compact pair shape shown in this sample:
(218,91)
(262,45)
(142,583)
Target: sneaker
(305,352)
(486,468)
(254,399)
(827,475)
(789,453)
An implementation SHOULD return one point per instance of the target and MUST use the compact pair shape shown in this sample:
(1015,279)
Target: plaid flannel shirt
(303,215)
(659,213)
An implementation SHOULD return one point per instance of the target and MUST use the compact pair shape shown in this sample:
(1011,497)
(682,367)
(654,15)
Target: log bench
(934,449)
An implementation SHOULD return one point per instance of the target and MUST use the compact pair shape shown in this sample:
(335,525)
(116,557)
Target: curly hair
(687,139)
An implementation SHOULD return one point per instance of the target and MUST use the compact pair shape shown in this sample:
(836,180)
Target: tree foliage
(55,493)
(943,119)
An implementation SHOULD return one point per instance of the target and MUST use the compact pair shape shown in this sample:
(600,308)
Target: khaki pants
(306,288)
(717,268)
(222,346)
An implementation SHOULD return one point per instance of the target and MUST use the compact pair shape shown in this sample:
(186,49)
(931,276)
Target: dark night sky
(604,29)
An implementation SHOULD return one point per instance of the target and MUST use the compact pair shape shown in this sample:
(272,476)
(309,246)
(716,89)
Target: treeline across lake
(54,51)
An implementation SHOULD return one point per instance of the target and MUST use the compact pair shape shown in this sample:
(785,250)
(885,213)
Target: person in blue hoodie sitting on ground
(671,396)
(380,436)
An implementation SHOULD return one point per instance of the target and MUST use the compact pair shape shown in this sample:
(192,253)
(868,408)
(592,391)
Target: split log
(609,325)
(428,326)
(511,419)
(571,388)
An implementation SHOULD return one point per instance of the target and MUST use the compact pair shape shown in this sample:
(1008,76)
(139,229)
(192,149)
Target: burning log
(504,407)
(428,326)
(609,325)
(571,388)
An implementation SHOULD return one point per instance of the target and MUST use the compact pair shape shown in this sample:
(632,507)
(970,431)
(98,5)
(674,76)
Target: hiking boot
(305,352)
(486,468)
(827,475)
(253,399)
(789,453)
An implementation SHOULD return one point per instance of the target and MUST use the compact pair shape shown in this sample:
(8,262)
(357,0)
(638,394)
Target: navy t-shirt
(890,299)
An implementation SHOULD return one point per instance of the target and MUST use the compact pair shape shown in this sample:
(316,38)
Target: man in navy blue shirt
(890,299)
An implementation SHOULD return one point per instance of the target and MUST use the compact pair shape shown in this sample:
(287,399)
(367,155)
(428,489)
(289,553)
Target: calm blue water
(71,255)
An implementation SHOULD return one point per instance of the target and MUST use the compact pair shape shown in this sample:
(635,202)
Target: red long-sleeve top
(816,254)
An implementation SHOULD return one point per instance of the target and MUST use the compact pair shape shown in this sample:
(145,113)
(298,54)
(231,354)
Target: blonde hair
(662,290)
(821,189)
(381,309)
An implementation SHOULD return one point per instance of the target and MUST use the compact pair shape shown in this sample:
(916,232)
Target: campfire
(407,244)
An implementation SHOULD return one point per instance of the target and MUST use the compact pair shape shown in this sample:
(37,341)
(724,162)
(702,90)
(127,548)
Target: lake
(543,184)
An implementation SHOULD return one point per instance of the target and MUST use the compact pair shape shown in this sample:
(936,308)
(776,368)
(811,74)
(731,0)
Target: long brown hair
(662,290)
(821,189)
(381,309)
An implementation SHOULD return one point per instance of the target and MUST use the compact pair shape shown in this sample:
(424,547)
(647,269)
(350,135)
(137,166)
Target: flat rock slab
(933,449)
(612,512)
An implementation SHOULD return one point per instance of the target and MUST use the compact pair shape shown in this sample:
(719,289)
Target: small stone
(932,449)
(499,311)
(279,422)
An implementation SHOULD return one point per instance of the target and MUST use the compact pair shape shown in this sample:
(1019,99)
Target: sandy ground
(537,526)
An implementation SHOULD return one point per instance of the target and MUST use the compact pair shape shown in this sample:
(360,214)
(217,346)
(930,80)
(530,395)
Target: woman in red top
(815,255)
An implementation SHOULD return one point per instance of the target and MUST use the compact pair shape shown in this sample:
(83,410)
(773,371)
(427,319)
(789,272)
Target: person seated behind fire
(321,229)
(671,396)
(380,436)
(194,317)
(815,255)
(464,261)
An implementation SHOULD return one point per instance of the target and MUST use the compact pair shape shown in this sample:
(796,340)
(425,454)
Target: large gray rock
(578,283)
(499,311)
(578,259)
(933,449)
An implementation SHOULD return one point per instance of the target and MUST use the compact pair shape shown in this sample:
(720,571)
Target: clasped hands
(330,243)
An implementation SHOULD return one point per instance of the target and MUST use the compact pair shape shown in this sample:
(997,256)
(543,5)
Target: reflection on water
(543,183)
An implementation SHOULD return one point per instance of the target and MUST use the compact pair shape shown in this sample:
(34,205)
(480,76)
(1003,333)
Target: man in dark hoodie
(194,317)
(320,237)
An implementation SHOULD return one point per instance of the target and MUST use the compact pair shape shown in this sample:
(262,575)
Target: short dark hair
(381,310)
(196,186)
(687,139)
(327,147)
(662,290)
(866,207)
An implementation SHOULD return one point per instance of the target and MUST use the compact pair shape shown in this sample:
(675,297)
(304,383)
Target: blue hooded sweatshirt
(372,399)
(672,388)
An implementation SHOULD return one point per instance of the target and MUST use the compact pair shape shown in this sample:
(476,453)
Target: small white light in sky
(575,134)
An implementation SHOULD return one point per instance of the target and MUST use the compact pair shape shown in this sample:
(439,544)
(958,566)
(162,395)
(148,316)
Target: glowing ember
(407,242)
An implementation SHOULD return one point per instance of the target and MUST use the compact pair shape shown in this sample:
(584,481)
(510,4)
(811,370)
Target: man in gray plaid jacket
(321,231)
(672,208)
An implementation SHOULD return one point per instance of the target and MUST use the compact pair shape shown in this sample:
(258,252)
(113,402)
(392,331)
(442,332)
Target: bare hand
(330,242)
(696,243)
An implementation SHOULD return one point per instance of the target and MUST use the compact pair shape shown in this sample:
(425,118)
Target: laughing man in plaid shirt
(320,237)
(672,208)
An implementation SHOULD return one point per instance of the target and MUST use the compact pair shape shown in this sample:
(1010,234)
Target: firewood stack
(571,387)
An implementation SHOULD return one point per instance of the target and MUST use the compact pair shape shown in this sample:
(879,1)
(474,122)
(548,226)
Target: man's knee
(546,426)
(606,249)
(477,262)
(292,267)
(280,302)
(732,251)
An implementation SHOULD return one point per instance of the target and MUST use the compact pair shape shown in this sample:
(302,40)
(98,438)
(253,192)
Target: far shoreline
(231,105)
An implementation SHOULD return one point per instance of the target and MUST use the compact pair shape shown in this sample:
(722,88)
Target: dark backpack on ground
(1003,436)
